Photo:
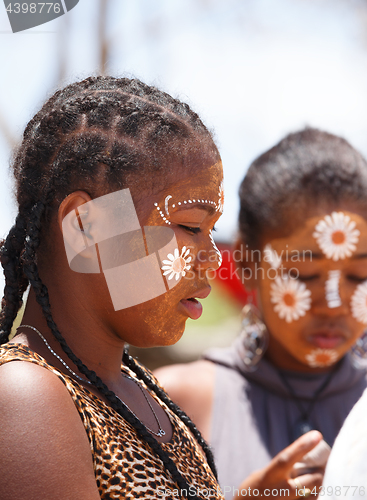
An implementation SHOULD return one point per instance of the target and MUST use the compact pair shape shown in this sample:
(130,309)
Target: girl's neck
(85,337)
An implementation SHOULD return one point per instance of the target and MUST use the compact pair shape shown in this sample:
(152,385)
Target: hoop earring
(254,336)
(359,350)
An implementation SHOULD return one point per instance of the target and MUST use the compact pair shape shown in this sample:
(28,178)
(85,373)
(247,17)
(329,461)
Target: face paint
(358,303)
(271,256)
(216,249)
(291,298)
(161,213)
(220,205)
(319,358)
(176,265)
(332,289)
(336,236)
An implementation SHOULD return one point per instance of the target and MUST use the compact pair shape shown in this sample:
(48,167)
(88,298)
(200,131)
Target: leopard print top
(124,464)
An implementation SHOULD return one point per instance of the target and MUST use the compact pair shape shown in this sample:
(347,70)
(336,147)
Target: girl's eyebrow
(359,256)
(202,206)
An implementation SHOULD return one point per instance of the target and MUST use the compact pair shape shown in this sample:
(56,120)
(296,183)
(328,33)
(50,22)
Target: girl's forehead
(331,225)
(202,187)
(201,184)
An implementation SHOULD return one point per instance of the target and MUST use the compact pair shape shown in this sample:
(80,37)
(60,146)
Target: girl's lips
(325,341)
(192,307)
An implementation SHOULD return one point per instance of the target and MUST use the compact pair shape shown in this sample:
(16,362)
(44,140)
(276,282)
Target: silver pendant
(301,427)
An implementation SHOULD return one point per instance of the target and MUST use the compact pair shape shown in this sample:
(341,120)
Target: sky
(254,70)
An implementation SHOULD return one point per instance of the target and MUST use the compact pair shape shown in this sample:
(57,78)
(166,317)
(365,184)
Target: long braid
(15,283)
(67,146)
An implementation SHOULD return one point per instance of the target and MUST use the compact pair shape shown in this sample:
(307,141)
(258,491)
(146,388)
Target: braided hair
(101,132)
(306,169)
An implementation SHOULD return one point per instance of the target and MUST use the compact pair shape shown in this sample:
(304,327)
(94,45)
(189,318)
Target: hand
(277,475)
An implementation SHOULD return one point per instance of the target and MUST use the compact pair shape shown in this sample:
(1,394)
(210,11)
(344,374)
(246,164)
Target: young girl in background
(303,254)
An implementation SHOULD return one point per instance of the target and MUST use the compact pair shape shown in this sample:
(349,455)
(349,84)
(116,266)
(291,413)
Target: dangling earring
(254,336)
(359,350)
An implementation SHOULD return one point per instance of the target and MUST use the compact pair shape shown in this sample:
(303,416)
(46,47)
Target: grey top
(254,414)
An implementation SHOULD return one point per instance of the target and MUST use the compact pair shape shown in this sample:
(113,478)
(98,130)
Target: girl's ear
(246,261)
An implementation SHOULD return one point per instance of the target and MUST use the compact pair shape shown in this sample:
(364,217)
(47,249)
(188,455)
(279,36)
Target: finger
(306,485)
(313,479)
(284,461)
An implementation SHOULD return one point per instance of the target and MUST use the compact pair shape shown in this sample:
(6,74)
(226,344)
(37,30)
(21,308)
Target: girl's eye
(305,278)
(192,230)
(356,279)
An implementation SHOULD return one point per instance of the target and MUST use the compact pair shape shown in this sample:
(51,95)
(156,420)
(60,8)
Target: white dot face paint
(218,206)
(336,236)
(161,213)
(291,298)
(271,256)
(319,358)
(358,303)
(176,264)
(332,289)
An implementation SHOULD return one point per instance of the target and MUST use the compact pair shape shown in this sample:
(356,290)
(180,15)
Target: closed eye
(355,279)
(193,230)
(303,277)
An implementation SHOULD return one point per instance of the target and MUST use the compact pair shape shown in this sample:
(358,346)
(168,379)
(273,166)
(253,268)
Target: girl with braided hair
(118,187)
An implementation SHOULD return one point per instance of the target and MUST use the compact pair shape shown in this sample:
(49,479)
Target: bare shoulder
(45,448)
(191,386)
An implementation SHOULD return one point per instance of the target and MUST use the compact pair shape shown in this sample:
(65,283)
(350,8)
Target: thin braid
(143,375)
(15,283)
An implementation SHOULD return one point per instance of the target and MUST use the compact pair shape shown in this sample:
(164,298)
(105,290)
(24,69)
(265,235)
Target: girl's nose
(335,301)
(208,256)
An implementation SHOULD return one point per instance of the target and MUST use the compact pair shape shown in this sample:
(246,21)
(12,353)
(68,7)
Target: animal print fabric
(124,465)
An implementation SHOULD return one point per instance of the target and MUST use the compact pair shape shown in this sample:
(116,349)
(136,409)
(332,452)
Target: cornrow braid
(91,133)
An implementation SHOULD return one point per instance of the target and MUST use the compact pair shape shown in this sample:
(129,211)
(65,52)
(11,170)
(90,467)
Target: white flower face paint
(271,256)
(332,289)
(176,265)
(336,236)
(358,303)
(291,298)
(216,249)
(321,357)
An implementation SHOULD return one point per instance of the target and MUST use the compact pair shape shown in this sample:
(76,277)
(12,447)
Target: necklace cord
(319,391)
(161,432)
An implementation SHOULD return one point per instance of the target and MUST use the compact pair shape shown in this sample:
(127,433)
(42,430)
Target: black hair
(101,131)
(305,169)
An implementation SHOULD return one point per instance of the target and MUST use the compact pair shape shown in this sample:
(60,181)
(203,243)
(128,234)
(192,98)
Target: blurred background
(254,70)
